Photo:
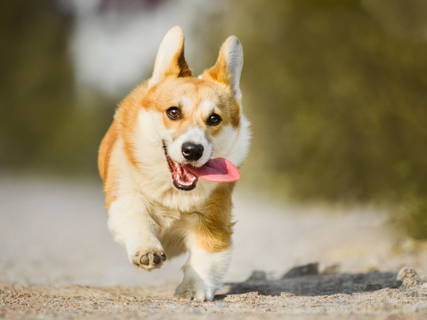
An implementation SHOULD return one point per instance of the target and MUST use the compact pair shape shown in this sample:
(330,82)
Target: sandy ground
(57,260)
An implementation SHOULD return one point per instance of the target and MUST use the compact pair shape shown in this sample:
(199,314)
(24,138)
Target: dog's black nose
(191,151)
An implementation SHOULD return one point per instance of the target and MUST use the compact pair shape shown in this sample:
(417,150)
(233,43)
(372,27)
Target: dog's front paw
(148,259)
(194,290)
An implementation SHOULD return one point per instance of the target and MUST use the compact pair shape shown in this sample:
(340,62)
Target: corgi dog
(169,165)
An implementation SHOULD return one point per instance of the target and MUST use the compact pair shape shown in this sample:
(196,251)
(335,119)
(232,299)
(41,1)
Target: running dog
(169,165)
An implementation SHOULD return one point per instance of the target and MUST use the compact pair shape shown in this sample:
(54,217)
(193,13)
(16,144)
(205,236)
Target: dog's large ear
(170,59)
(228,67)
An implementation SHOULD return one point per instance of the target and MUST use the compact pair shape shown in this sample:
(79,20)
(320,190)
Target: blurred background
(336,91)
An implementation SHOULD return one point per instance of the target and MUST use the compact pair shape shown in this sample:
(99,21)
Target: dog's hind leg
(132,227)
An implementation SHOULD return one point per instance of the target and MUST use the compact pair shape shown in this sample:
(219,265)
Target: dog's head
(181,123)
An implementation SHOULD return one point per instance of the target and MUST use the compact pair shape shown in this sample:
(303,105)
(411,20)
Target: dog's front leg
(208,239)
(132,226)
(203,274)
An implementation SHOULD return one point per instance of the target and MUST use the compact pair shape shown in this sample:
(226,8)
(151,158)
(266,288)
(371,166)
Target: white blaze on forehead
(194,135)
(208,107)
(186,104)
(191,107)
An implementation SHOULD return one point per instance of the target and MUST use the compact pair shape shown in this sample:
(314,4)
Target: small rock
(300,271)
(257,276)
(402,272)
(409,277)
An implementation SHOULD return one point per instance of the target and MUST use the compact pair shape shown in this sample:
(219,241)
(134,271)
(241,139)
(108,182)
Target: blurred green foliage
(412,215)
(337,103)
(33,77)
(42,125)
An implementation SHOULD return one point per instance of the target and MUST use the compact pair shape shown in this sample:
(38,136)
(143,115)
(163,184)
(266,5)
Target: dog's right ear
(170,59)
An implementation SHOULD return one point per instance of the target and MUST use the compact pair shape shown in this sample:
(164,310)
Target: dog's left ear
(228,67)
(170,59)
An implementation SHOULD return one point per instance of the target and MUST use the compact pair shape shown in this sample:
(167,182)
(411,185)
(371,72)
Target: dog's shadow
(314,284)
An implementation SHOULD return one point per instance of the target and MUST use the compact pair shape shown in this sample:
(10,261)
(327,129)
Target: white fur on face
(233,144)
(148,139)
(194,135)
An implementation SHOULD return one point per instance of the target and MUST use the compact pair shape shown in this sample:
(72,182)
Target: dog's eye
(214,119)
(173,113)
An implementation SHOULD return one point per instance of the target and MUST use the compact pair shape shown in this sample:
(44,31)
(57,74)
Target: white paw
(148,259)
(194,290)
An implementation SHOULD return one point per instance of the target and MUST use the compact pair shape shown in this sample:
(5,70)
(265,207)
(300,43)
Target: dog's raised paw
(149,259)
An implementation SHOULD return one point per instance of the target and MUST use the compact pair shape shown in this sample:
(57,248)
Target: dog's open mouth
(185,176)
(182,178)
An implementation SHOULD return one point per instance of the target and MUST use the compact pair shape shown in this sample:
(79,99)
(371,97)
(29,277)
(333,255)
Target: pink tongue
(216,170)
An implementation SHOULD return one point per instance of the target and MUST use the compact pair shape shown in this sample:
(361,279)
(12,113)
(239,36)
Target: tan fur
(221,73)
(161,98)
(105,150)
(213,226)
(108,176)
(126,118)
(179,67)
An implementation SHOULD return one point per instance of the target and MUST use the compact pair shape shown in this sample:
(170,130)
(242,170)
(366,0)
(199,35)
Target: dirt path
(362,296)
(57,260)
